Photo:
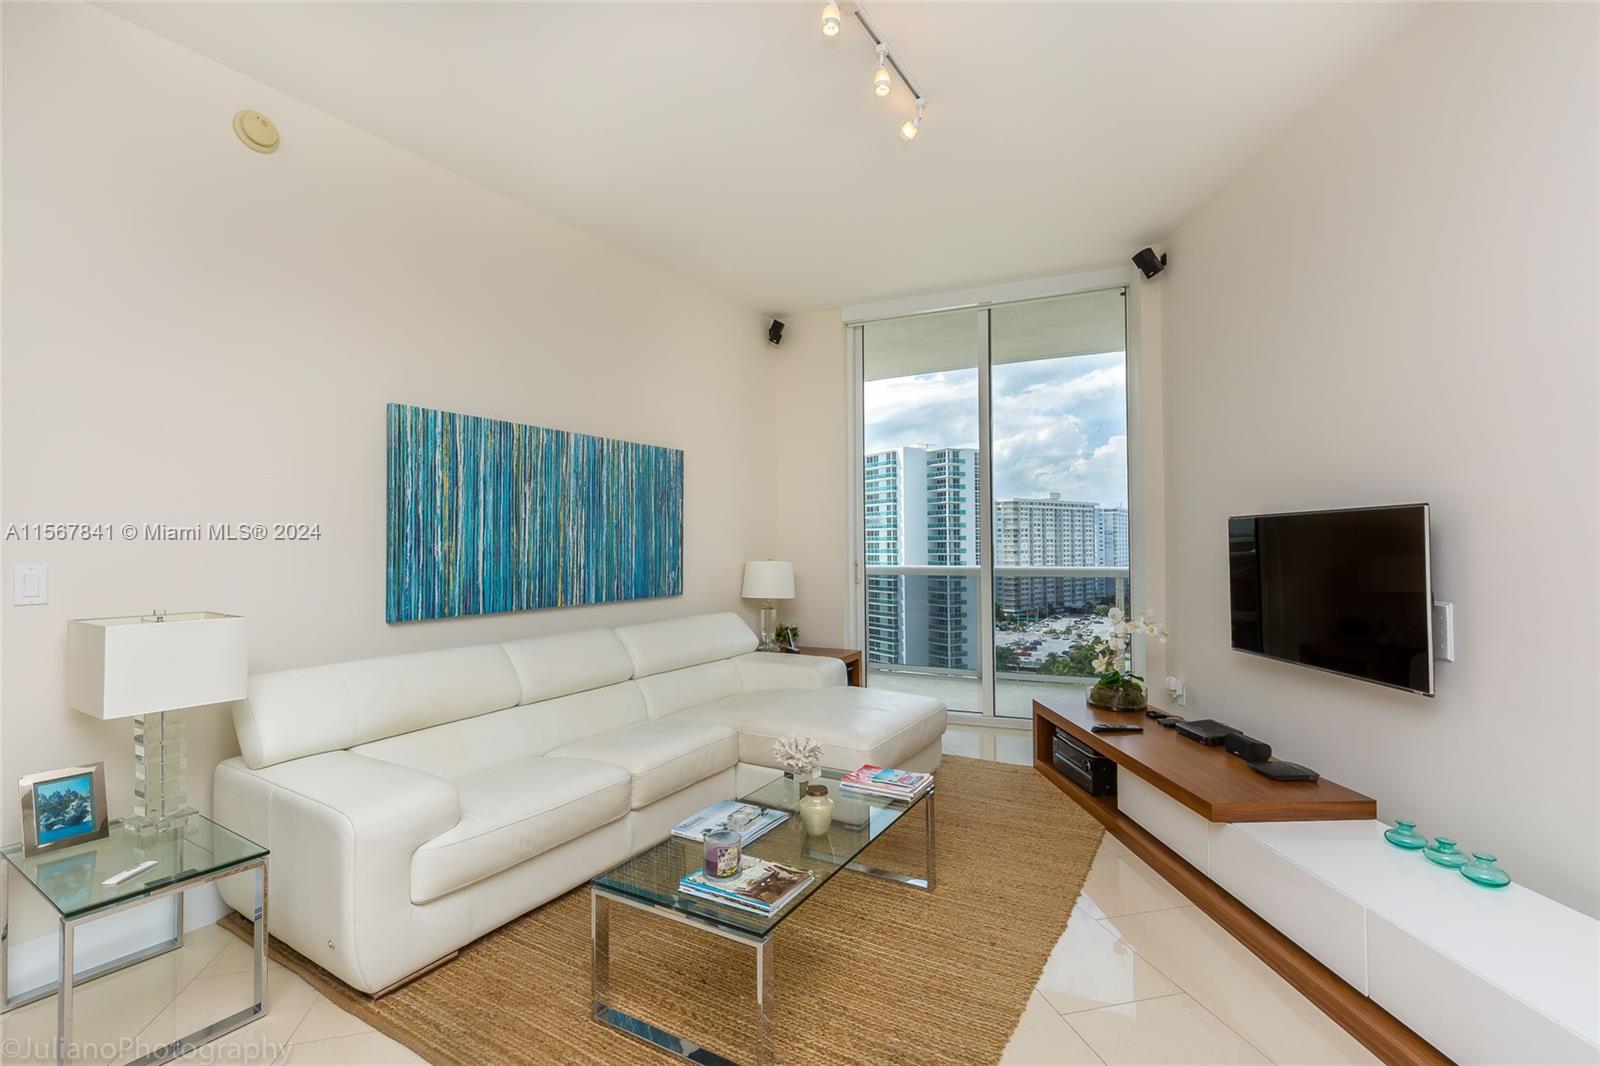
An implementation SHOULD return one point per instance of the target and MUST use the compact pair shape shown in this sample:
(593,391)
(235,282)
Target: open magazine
(715,818)
(761,886)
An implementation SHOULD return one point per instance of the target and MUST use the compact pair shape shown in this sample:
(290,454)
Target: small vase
(1445,854)
(1405,835)
(1123,696)
(1483,871)
(816,810)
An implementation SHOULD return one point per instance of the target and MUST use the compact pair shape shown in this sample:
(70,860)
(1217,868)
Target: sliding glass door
(920,505)
(975,595)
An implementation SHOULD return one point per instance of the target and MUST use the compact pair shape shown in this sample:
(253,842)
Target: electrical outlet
(1178,690)
(1444,631)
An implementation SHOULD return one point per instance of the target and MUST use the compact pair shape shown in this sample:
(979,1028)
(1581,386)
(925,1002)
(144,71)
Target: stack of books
(760,887)
(872,780)
(717,816)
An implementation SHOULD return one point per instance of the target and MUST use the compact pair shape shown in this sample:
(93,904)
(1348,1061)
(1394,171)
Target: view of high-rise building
(922,510)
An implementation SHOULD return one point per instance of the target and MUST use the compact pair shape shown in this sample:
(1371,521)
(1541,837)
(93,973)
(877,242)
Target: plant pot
(1122,696)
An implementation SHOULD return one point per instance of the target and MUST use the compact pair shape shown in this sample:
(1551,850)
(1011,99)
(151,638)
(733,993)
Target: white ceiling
(734,144)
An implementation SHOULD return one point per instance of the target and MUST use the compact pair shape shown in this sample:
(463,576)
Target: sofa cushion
(325,708)
(677,689)
(657,647)
(564,663)
(459,748)
(662,756)
(514,811)
(853,725)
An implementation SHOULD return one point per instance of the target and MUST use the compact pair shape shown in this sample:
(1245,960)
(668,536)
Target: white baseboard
(35,961)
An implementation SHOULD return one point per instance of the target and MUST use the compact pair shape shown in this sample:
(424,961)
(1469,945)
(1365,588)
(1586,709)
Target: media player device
(1207,731)
(1170,720)
(1082,765)
(1279,770)
(1247,748)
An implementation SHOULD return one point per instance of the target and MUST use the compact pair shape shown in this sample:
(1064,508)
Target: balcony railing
(945,617)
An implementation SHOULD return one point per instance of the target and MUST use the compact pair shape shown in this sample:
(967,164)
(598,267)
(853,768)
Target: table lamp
(150,668)
(768,581)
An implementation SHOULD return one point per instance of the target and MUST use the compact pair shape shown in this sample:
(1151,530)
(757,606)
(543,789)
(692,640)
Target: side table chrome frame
(600,900)
(64,986)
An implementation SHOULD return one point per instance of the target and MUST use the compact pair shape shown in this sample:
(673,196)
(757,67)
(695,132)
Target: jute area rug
(867,971)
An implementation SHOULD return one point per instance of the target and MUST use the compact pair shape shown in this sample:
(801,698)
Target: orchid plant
(1114,657)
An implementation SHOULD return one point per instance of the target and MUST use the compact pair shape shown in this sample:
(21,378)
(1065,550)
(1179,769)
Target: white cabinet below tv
(1492,976)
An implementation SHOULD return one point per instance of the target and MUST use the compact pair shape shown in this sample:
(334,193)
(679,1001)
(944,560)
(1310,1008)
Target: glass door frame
(983,301)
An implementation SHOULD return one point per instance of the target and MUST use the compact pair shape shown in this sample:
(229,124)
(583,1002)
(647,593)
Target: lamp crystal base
(160,774)
(769,628)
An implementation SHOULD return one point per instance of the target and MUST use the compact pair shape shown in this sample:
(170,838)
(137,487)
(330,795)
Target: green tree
(1006,657)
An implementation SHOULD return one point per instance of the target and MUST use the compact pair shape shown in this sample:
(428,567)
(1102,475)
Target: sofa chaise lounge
(415,802)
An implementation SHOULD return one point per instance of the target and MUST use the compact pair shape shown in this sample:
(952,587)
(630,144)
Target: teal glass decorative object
(1445,854)
(1405,835)
(1483,871)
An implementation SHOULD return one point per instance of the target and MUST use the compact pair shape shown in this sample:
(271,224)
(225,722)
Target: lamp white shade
(768,580)
(121,667)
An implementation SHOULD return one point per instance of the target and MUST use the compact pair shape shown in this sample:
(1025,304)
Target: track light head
(882,84)
(830,19)
(913,125)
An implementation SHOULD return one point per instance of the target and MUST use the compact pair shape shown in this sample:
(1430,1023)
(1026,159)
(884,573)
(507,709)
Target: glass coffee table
(72,881)
(649,882)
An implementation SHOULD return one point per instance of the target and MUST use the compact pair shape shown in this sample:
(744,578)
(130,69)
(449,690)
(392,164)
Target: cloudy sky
(1060,425)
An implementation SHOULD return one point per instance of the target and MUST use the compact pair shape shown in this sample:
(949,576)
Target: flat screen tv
(1345,591)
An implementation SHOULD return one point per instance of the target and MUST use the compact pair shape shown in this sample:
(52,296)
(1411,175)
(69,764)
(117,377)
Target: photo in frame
(63,807)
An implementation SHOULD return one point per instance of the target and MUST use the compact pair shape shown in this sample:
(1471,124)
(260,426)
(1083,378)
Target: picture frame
(63,807)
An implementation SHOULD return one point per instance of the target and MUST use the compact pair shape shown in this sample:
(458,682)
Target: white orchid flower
(1114,615)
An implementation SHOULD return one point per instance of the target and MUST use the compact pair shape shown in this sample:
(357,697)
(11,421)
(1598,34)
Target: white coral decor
(797,753)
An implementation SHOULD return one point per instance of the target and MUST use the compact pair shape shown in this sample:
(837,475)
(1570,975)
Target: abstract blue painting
(488,516)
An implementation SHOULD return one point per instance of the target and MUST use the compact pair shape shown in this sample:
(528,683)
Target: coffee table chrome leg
(599,952)
(924,882)
(927,833)
(764,988)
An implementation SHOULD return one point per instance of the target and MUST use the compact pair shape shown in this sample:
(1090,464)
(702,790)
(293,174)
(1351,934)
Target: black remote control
(1111,727)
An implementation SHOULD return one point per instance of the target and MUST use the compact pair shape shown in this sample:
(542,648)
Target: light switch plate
(31,585)
(1444,631)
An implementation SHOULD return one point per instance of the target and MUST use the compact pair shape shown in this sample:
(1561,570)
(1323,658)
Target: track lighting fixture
(913,125)
(882,80)
(830,19)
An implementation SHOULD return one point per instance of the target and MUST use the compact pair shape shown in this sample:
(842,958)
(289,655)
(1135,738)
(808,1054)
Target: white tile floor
(1139,976)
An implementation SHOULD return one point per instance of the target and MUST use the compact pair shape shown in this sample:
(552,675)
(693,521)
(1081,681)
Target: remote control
(132,871)
(1109,727)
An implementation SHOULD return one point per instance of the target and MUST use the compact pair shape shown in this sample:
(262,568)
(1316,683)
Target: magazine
(761,886)
(715,818)
(873,780)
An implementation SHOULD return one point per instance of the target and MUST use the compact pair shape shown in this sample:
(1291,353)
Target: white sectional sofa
(415,802)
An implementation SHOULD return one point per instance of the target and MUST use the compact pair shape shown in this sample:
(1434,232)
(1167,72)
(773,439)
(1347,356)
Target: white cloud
(1059,425)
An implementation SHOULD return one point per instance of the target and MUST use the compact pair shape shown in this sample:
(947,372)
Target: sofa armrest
(776,669)
(342,829)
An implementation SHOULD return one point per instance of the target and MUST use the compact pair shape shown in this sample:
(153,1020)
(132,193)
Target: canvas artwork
(486,516)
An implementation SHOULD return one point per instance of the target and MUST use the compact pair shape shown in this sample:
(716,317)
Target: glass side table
(72,879)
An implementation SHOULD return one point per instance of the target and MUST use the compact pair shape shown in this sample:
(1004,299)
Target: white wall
(194,332)
(1397,302)
(811,474)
